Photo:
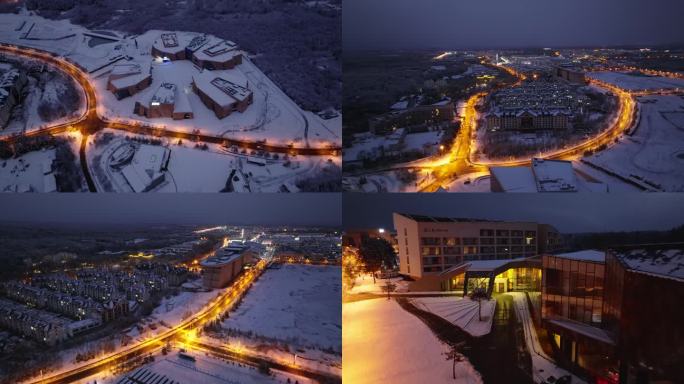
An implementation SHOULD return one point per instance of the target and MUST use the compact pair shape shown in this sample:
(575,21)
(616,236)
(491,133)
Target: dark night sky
(569,213)
(174,208)
(457,24)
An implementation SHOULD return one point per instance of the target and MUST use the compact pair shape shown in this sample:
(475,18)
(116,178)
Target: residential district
(208,308)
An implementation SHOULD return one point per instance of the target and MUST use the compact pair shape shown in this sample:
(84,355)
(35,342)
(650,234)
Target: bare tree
(454,355)
(479,294)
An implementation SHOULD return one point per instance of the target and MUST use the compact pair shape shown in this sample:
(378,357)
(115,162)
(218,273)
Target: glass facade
(518,279)
(572,289)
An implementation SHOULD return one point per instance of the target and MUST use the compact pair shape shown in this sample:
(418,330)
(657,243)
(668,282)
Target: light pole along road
(185,331)
(89,122)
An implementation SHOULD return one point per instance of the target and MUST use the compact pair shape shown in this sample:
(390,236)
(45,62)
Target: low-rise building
(128,79)
(207,52)
(528,120)
(147,168)
(167,101)
(222,54)
(221,95)
(171,46)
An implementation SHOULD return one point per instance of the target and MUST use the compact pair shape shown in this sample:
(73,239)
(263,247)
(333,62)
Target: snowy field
(364,284)
(636,83)
(26,173)
(216,164)
(655,153)
(461,312)
(299,304)
(382,343)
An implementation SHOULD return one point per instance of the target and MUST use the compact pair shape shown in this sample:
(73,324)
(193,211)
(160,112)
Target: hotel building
(226,265)
(430,245)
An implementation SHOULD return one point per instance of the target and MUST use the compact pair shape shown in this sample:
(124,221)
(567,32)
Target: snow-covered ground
(460,311)
(298,304)
(172,311)
(542,365)
(367,145)
(26,173)
(364,284)
(382,343)
(205,370)
(423,141)
(195,170)
(474,182)
(655,153)
(637,82)
(28,119)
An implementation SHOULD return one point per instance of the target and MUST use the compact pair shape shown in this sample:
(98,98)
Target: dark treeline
(603,240)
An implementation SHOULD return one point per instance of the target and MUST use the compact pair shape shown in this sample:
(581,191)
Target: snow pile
(382,343)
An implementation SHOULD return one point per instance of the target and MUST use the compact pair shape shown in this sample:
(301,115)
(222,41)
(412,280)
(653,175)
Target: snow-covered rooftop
(514,179)
(222,50)
(146,166)
(399,105)
(173,42)
(165,94)
(225,255)
(129,74)
(554,175)
(585,255)
(222,90)
(661,262)
(542,176)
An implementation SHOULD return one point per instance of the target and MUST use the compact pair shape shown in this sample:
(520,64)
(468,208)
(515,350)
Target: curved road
(90,122)
(459,161)
(183,331)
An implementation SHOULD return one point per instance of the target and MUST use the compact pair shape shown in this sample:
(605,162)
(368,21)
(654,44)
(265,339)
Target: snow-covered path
(542,365)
